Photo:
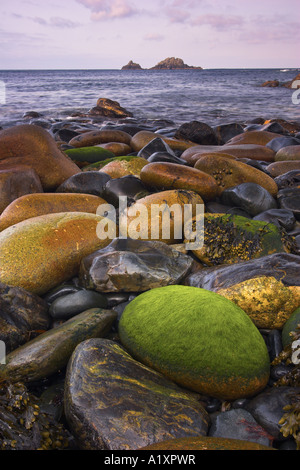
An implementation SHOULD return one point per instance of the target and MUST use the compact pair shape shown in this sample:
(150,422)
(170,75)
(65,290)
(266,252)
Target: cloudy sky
(106,34)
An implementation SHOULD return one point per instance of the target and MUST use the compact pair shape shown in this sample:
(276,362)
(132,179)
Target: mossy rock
(230,238)
(290,326)
(268,302)
(198,339)
(206,443)
(100,164)
(89,154)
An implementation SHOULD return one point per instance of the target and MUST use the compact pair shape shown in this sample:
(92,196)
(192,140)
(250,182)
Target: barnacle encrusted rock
(268,302)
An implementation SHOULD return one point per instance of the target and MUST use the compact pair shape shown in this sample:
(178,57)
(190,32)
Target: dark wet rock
(155,145)
(65,135)
(283,266)
(114,299)
(31,115)
(289,199)
(291,179)
(225,132)
(277,372)
(129,186)
(289,444)
(218,208)
(259,164)
(280,217)
(90,182)
(130,129)
(49,352)
(70,305)
(165,157)
(213,404)
(23,316)
(274,343)
(113,402)
(51,401)
(240,403)
(109,108)
(127,265)
(281,142)
(267,408)
(250,197)
(238,424)
(197,132)
(41,122)
(60,291)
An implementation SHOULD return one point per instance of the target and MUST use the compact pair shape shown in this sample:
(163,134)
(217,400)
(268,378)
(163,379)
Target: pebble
(106,321)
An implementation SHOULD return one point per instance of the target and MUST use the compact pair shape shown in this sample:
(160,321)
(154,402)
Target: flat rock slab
(283,266)
(133,266)
(113,402)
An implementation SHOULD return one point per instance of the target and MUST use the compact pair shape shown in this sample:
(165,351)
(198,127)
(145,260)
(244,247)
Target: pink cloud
(154,37)
(219,22)
(106,9)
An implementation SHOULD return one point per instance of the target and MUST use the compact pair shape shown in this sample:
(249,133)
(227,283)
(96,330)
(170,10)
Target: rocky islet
(161,315)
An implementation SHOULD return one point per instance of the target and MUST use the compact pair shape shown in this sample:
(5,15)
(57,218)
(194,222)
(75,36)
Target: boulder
(176,331)
(34,205)
(166,176)
(23,316)
(34,147)
(142,138)
(291,152)
(109,108)
(17,181)
(119,168)
(252,151)
(113,402)
(267,301)
(90,182)
(197,132)
(40,253)
(133,266)
(229,173)
(51,351)
(91,138)
(281,167)
(253,137)
(251,197)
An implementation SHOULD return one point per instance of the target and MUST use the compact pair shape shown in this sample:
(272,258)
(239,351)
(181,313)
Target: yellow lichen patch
(268,302)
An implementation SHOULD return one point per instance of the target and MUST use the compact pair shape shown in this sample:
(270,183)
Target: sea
(213,96)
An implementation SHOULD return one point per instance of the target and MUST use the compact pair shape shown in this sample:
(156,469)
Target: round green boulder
(197,338)
(290,325)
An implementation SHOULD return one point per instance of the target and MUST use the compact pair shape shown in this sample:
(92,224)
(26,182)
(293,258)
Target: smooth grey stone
(89,182)
(250,197)
(225,132)
(289,198)
(72,304)
(267,408)
(130,186)
(280,142)
(166,157)
(238,424)
(128,265)
(59,291)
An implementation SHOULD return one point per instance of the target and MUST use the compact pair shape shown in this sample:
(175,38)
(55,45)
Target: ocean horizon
(214,96)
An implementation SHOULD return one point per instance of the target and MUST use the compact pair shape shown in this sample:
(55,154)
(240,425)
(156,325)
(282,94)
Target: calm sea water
(211,96)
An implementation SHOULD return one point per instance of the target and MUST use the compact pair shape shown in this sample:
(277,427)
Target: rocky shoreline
(149,343)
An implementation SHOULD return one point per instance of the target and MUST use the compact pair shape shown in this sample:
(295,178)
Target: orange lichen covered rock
(42,252)
(33,205)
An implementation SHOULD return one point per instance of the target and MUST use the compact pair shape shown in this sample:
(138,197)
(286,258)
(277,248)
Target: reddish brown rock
(91,138)
(34,147)
(251,151)
(279,168)
(16,182)
(253,137)
(173,176)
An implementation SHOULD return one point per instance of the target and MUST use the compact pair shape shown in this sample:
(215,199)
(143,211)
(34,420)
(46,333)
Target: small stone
(68,306)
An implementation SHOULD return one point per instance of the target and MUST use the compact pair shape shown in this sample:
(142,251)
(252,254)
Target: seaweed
(290,421)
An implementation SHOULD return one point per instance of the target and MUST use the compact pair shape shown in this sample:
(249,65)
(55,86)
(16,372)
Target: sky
(106,34)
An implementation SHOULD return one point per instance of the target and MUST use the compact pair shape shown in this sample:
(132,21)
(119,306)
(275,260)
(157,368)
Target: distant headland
(171,63)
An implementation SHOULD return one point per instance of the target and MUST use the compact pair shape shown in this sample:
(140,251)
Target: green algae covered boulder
(197,338)
(89,154)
